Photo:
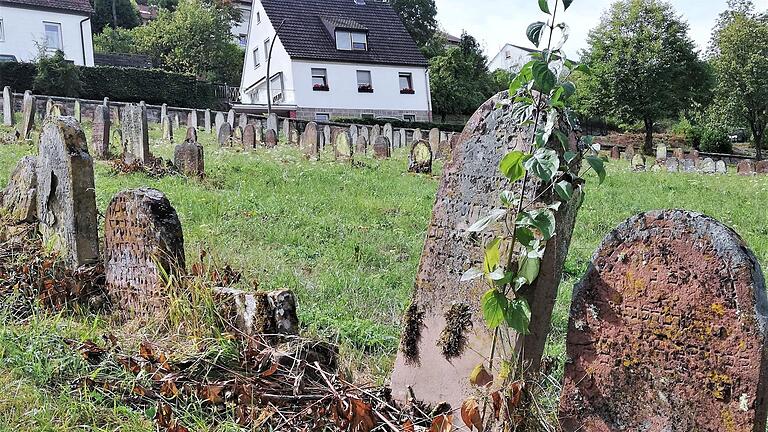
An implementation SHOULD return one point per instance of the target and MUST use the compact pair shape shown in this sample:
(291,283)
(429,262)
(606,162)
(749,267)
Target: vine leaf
(544,6)
(492,257)
(567,4)
(518,315)
(564,190)
(544,164)
(480,376)
(569,156)
(529,269)
(512,165)
(524,236)
(483,223)
(470,414)
(442,423)
(534,32)
(471,274)
(545,79)
(541,219)
(494,306)
(597,164)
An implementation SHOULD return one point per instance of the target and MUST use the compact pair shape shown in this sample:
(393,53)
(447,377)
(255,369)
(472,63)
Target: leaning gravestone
(720,167)
(18,201)
(28,114)
(342,146)
(746,167)
(309,142)
(143,240)
(165,124)
(101,132)
(8,119)
(66,195)
(445,336)
(270,138)
(231,118)
(189,159)
(708,166)
(420,158)
(224,134)
(382,147)
(135,133)
(668,331)
(249,137)
(361,146)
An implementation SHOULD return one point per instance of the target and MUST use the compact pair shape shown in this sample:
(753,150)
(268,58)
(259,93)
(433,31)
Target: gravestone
(443,136)
(761,167)
(707,166)
(260,313)
(615,154)
(382,148)
(689,166)
(270,138)
(219,121)
(191,134)
(231,118)
(237,136)
(720,167)
(224,134)
(667,331)
(309,142)
(8,119)
(434,139)
(165,123)
(396,140)
(365,133)
(403,138)
(342,146)
(327,135)
(353,130)
(207,121)
(101,126)
(48,107)
(386,131)
(417,136)
(192,119)
(445,336)
(746,167)
(114,112)
(375,132)
(163,110)
(693,155)
(117,136)
(18,201)
(78,111)
(361,146)
(66,195)
(28,115)
(672,165)
(629,152)
(443,150)
(638,162)
(661,152)
(242,121)
(286,129)
(135,133)
(249,137)
(678,153)
(59,110)
(272,122)
(176,121)
(189,158)
(420,158)
(258,124)
(143,240)
(293,137)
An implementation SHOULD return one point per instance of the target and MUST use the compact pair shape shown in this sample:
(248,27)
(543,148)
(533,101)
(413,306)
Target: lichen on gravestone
(101,132)
(135,133)
(18,201)
(189,158)
(342,146)
(420,158)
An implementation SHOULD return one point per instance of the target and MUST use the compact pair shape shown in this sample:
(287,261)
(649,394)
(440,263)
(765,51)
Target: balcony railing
(279,97)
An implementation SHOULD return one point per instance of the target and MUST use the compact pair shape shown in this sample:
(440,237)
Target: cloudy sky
(496,22)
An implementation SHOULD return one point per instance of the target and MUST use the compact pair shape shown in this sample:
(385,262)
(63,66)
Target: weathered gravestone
(629,152)
(270,138)
(361,146)
(387,132)
(286,129)
(689,166)
(135,133)
(708,166)
(77,111)
(638,162)
(309,143)
(272,122)
(720,167)
(443,150)
(142,240)
(434,139)
(293,136)
(365,133)
(192,119)
(59,110)
(678,153)
(66,195)
(231,118)
(249,137)
(189,158)
(224,134)
(417,136)
(207,121)
(242,121)
(445,336)
(382,147)
(761,167)
(672,165)
(191,134)
(746,167)
(353,132)
(48,107)
(8,119)
(342,146)
(693,155)
(219,121)
(258,124)
(101,132)
(163,111)
(661,152)
(403,138)
(176,121)
(668,331)
(18,201)
(28,114)
(328,139)
(260,313)
(165,124)
(237,136)
(396,139)
(420,158)
(615,154)
(375,132)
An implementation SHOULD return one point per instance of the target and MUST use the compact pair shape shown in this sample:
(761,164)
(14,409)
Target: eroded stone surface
(231,118)
(434,139)
(309,143)
(142,234)
(672,164)
(27,114)
(615,153)
(220,119)
(259,313)
(638,162)
(249,137)
(133,123)
(224,134)
(189,159)
(101,132)
(18,201)
(342,145)
(667,331)
(361,146)
(192,119)
(708,166)
(270,138)
(167,127)
(420,158)
(191,134)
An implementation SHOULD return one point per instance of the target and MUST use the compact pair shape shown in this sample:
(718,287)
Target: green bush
(18,76)
(57,77)
(691,133)
(715,140)
(444,127)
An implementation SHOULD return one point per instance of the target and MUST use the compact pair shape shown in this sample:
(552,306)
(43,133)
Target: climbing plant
(538,99)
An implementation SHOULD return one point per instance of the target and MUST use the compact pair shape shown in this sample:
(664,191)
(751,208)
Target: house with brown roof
(29,26)
(333,58)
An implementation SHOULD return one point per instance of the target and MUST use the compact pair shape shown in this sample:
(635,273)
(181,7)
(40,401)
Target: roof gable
(78,7)
(309,27)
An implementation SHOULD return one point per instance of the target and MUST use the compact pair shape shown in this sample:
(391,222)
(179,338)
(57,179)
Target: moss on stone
(413,321)
(452,339)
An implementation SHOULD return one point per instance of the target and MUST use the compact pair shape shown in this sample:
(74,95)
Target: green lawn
(346,239)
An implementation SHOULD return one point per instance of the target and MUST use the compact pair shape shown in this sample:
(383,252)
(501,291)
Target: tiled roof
(81,6)
(305,35)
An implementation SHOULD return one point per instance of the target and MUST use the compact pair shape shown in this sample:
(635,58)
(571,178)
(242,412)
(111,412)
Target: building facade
(333,58)
(27,26)
(510,58)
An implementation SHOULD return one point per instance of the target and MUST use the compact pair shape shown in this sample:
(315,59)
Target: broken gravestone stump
(143,240)
(133,124)
(420,158)
(28,115)
(101,131)
(259,313)
(445,336)
(66,195)
(18,202)
(189,158)
(668,331)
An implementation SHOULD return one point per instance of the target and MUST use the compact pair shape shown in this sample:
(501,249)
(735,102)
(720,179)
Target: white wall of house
(23,27)
(343,93)
(510,58)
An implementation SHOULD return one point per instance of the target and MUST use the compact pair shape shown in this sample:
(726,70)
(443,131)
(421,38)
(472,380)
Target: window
(406,83)
(258,17)
(2,31)
(256,59)
(351,41)
(266,50)
(409,117)
(364,84)
(322,117)
(319,80)
(366,115)
(52,35)
(243,40)
(276,86)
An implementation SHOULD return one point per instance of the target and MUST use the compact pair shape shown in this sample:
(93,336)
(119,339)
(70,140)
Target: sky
(496,22)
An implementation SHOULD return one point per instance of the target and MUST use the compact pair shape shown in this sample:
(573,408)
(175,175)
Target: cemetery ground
(345,238)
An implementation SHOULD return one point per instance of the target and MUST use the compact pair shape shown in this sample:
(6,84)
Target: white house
(510,58)
(333,58)
(53,24)
(240,29)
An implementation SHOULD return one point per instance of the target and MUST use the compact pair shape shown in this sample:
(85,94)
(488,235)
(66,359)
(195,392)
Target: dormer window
(351,40)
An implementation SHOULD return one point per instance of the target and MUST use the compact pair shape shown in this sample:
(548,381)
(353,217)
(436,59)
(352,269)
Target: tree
(644,65)
(117,40)
(56,76)
(740,61)
(114,13)
(418,16)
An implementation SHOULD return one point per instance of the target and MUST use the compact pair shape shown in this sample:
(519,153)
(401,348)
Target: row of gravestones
(687,162)
(667,329)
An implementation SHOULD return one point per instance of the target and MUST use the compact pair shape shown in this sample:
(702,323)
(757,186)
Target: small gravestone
(638,163)
(224,134)
(272,122)
(342,146)
(117,136)
(403,138)
(101,132)
(219,121)
(237,136)
(48,107)
(353,132)
(176,121)
(258,124)
(18,201)
(143,240)
(365,133)
(260,313)
(420,158)
(678,153)
(693,155)
(191,134)
(361,146)
(661,152)
(165,123)
(293,137)
(77,113)
(720,167)
(375,132)
(28,115)
(382,147)
(688,166)
(231,118)
(327,135)
(708,166)
(396,140)
(114,112)
(189,158)
(242,121)
(207,121)
(629,152)
(761,167)
(746,167)
(66,195)
(615,154)
(192,119)
(417,135)
(249,137)
(309,142)
(135,133)
(163,110)
(672,165)
(434,139)
(387,132)
(667,331)
(286,129)
(8,119)
(270,138)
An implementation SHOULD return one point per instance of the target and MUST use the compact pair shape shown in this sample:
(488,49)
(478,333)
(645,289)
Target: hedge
(152,86)
(444,127)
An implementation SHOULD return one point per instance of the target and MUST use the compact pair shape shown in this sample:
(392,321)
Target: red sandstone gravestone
(667,331)
(381,147)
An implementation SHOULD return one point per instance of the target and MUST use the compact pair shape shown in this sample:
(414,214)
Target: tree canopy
(418,16)
(644,65)
(113,13)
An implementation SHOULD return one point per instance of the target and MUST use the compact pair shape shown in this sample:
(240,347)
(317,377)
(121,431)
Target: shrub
(18,76)
(715,140)
(57,77)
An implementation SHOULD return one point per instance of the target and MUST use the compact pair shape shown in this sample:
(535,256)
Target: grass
(346,239)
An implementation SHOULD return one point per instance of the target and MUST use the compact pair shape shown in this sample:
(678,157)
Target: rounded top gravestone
(746,167)
(342,146)
(224,134)
(361,146)
(667,331)
(381,147)
(420,159)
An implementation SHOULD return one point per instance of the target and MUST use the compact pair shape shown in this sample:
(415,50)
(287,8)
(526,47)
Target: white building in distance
(511,58)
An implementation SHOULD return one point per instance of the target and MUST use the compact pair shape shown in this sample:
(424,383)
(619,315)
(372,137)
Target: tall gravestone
(403,138)
(207,121)
(231,118)
(327,138)
(66,195)
(342,146)
(176,120)
(286,129)
(189,158)
(242,121)
(309,144)
(163,111)
(8,119)
(445,336)
(143,240)
(434,139)
(420,158)
(237,136)
(101,132)
(78,111)
(165,124)
(365,133)
(135,133)
(353,132)
(272,122)
(382,147)
(249,137)
(361,146)
(375,132)
(28,115)
(668,331)
(219,121)
(191,134)
(192,118)
(386,131)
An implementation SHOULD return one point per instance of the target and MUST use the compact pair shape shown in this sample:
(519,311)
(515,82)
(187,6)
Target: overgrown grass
(346,239)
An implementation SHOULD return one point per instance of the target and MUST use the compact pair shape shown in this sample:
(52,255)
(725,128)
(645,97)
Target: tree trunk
(648,146)
(757,135)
